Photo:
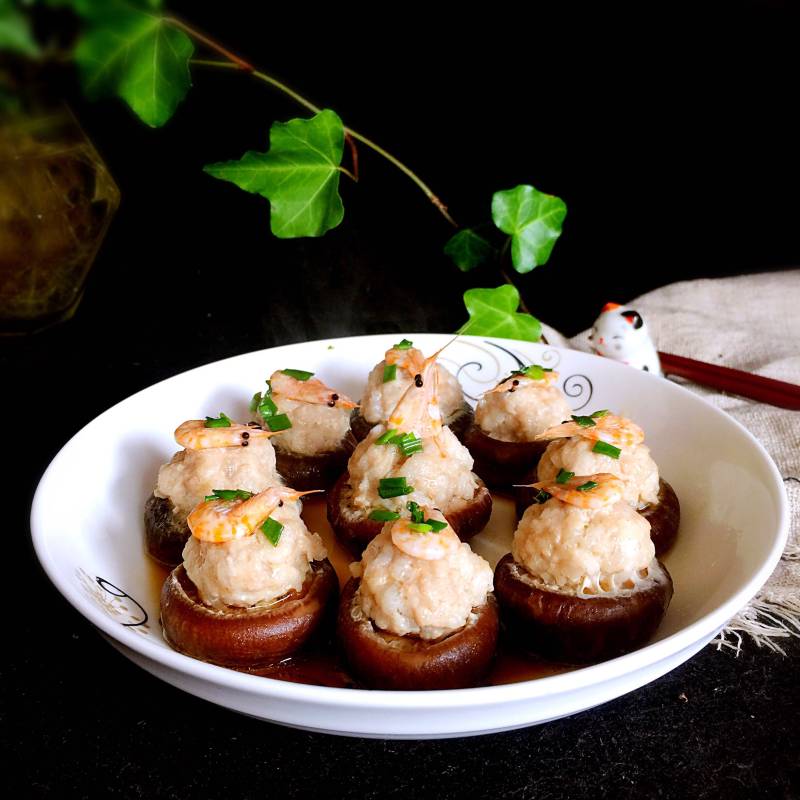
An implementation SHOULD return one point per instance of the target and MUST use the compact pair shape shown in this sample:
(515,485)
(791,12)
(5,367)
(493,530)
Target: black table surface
(189,274)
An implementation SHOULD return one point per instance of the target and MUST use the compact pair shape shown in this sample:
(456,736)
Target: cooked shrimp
(224,520)
(418,409)
(312,390)
(194,435)
(426,545)
(609,428)
(518,381)
(608,489)
(411,359)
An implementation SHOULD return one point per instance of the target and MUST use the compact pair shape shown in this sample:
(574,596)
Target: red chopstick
(746,384)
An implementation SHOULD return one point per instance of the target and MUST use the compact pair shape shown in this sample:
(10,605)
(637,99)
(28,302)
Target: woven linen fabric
(752,323)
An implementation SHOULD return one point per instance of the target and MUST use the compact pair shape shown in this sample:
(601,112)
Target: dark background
(671,138)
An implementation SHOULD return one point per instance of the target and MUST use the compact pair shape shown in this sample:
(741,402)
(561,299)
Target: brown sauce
(320,663)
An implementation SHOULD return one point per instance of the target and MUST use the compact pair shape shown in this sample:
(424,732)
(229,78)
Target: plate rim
(549,686)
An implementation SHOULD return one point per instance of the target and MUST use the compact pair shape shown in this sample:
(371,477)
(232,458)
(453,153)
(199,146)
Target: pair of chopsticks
(746,384)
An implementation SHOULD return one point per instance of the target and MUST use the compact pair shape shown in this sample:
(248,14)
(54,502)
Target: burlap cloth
(750,322)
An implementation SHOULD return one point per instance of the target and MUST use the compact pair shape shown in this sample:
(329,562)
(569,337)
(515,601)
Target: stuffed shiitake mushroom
(217,452)
(419,612)
(254,585)
(605,442)
(411,457)
(388,382)
(502,437)
(314,419)
(582,582)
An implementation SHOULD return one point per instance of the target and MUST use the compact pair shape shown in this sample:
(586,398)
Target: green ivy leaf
(299,175)
(533,220)
(15,31)
(468,250)
(134,54)
(493,312)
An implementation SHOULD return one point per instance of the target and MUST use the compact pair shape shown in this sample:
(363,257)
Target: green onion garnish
(383,515)
(393,487)
(272,529)
(389,372)
(420,527)
(267,407)
(228,494)
(402,345)
(436,525)
(278,422)
(416,511)
(584,422)
(297,374)
(409,443)
(386,437)
(534,372)
(588,486)
(564,475)
(606,449)
(222,421)
(598,414)
(542,496)
(255,402)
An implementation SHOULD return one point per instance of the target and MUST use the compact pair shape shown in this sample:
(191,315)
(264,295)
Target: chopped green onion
(403,345)
(222,421)
(389,372)
(297,374)
(383,515)
(386,437)
(393,487)
(598,414)
(588,486)
(542,496)
(534,372)
(436,525)
(409,443)
(564,475)
(272,529)
(606,449)
(229,494)
(419,527)
(416,511)
(278,422)
(267,407)
(255,402)
(584,422)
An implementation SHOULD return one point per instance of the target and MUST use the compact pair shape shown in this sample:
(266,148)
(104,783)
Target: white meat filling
(315,428)
(523,414)
(635,466)
(379,398)
(406,595)
(193,474)
(251,571)
(584,551)
(441,474)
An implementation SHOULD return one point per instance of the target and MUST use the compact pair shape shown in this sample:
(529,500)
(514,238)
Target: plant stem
(234,62)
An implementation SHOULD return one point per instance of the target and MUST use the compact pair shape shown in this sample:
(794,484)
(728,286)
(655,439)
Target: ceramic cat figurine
(621,333)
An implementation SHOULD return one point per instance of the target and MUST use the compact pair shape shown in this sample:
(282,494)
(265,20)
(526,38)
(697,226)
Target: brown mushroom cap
(318,471)
(244,637)
(567,628)
(458,422)
(501,464)
(664,515)
(356,530)
(385,661)
(165,533)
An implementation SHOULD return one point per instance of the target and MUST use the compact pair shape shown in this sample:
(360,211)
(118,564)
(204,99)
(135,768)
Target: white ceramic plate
(733,530)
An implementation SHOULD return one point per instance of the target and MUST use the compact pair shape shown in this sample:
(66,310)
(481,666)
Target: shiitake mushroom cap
(245,637)
(318,471)
(573,629)
(384,660)
(458,422)
(356,530)
(165,532)
(664,515)
(501,464)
